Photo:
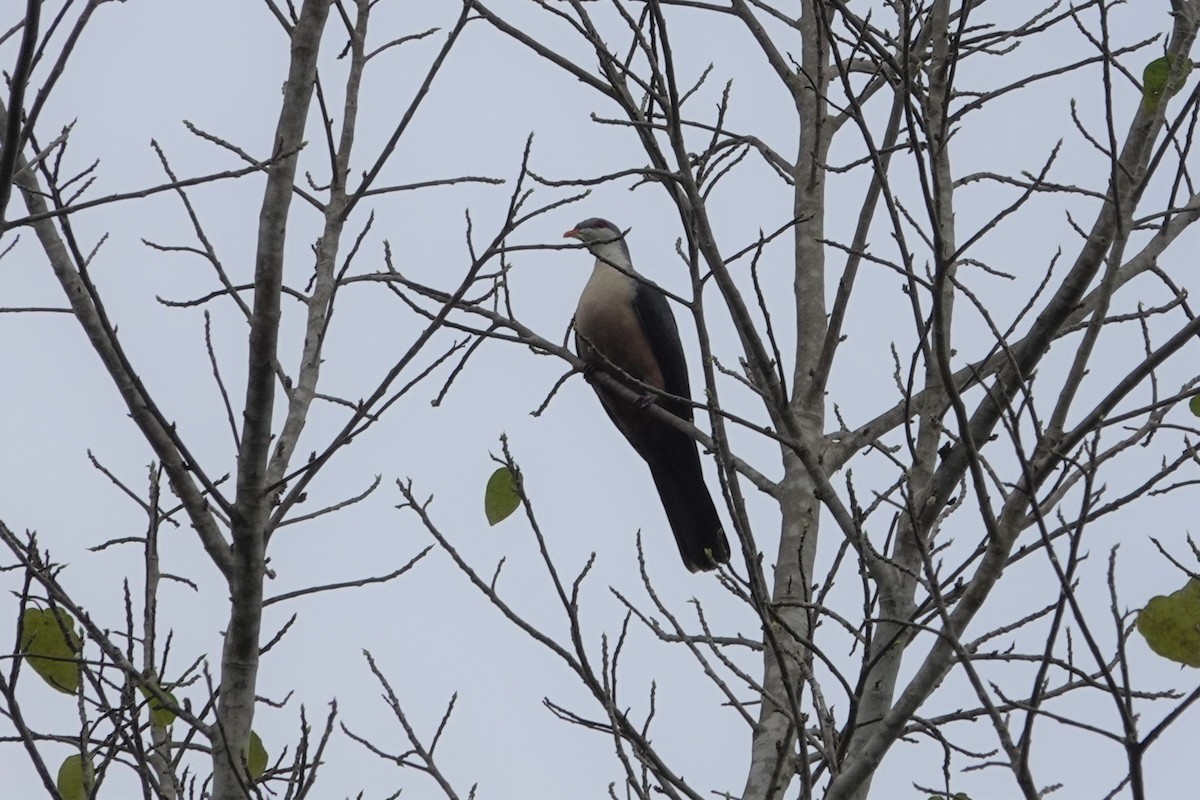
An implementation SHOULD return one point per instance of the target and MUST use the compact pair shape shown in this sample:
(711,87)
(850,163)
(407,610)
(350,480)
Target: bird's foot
(644,401)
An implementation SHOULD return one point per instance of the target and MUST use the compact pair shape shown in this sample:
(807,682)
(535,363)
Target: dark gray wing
(654,312)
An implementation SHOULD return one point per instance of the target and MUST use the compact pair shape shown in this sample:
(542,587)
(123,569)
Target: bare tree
(975,464)
(235,515)
(1046,345)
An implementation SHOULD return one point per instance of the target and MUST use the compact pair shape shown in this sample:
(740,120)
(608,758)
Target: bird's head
(604,239)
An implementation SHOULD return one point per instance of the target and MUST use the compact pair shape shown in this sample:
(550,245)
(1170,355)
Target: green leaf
(76,778)
(1194,404)
(160,715)
(1171,624)
(500,499)
(1155,87)
(52,647)
(256,758)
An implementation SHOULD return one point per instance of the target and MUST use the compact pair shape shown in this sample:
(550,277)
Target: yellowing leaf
(1171,624)
(500,499)
(160,715)
(256,759)
(52,647)
(76,778)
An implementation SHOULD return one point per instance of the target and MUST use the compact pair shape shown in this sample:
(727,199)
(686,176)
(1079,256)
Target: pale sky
(142,68)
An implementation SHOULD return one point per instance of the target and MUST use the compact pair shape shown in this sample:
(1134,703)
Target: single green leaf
(1171,624)
(1154,79)
(500,499)
(1155,88)
(160,715)
(52,647)
(1194,404)
(76,777)
(256,759)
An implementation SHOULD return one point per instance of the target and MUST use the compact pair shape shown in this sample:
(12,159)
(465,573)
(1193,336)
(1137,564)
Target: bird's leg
(644,401)
(589,371)
(588,353)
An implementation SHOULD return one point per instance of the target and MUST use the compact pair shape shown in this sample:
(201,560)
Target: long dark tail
(690,510)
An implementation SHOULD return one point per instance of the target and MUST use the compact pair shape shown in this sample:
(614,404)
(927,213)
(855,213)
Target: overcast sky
(144,67)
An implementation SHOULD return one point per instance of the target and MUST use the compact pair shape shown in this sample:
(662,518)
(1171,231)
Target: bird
(625,322)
